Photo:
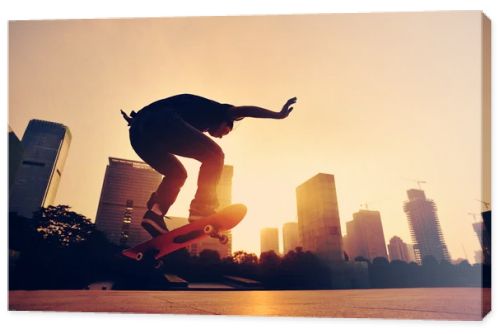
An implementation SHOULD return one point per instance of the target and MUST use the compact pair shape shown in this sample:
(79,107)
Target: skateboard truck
(158,263)
(214,233)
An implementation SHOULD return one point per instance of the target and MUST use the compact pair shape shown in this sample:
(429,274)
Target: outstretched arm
(258,112)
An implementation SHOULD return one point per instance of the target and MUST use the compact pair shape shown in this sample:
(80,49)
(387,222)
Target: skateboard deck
(210,226)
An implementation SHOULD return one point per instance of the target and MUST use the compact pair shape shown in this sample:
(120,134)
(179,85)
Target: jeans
(160,135)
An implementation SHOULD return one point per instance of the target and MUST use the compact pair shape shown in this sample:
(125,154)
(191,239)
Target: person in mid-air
(174,126)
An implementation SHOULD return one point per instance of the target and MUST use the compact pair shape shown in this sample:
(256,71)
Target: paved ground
(423,303)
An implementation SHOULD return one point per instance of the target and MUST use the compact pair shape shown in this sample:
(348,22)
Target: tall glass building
(15,156)
(365,236)
(269,240)
(125,191)
(399,250)
(290,237)
(318,218)
(424,227)
(45,148)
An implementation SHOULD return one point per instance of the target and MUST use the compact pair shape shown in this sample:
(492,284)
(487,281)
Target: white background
(45,322)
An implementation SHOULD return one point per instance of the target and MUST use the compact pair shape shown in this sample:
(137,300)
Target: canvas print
(329,165)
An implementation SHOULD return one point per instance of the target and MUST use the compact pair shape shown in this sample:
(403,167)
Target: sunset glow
(384,100)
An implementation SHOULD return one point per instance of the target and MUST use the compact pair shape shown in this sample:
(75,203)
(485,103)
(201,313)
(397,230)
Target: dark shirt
(200,112)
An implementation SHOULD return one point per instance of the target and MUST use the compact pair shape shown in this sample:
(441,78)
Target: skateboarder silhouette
(174,126)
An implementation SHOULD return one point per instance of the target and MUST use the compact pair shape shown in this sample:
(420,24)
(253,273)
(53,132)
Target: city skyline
(363,119)
(224,191)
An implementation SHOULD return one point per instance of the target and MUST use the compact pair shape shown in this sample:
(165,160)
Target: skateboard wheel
(223,239)
(139,256)
(158,264)
(208,229)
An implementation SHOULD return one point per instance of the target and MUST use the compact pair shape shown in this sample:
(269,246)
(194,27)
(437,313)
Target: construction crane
(486,204)
(419,182)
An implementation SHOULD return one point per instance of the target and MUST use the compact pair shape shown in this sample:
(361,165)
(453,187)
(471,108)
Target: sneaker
(154,224)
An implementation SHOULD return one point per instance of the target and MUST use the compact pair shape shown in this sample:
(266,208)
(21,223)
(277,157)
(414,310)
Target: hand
(287,109)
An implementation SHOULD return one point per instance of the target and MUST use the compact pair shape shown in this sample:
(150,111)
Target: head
(220,131)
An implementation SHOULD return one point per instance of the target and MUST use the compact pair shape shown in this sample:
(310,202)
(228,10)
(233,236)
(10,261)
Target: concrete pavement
(420,303)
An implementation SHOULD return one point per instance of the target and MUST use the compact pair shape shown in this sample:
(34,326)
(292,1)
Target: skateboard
(210,226)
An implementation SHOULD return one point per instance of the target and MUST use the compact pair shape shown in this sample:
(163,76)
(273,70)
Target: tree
(361,259)
(430,261)
(304,270)
(64,251)
(398,273)
(21,232)
(269,260)
(269,265)
(380,261)
(241,257)
(62,227)
(209,257)
(246,264)
(379,271)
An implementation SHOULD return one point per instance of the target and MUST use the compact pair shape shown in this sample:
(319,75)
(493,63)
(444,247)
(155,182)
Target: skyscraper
(424,227)
(15,156)
(411,253)
(46,145)
(398,250)
(478,227)
(224,195)
(365,236)
(483,232)
(126,188)
(269,240)
(318,218)
(290,237)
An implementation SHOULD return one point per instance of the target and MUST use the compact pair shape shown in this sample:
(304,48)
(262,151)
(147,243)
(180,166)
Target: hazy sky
(383,99)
